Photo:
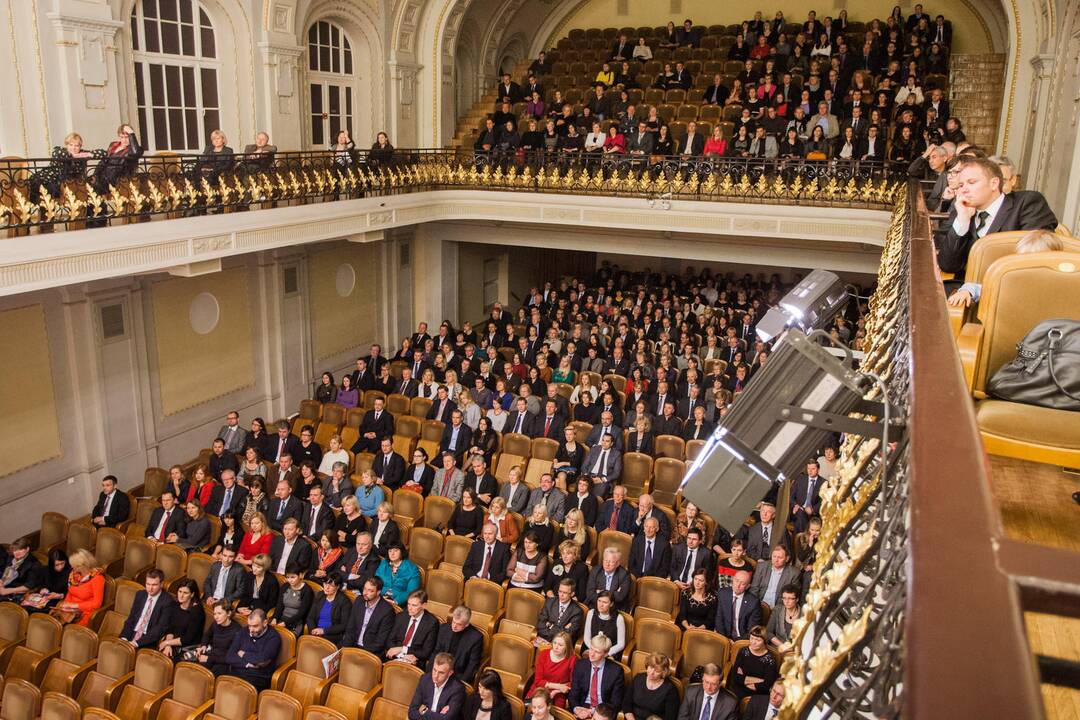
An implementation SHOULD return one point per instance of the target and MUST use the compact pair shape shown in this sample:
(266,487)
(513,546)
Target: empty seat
(57,706)
(535,470)
(78,653)
(110,547)
(522,608)
(112,621)
(54,528)
(21,701)
(307,682)
(13,622)
(437,510)
(275,705)
(138,557)
(670,446)
(445,586)
(636,473)
(543,448)
(455,551)
(399,683)
(370,396)
(652,635)
(516,444)
(30,660)
(359,673)
(234,699)
(484,596)
(155,480)
(321,712)
(658,594)
(667,478)
(512,658)
(171,560)
(407,425)
(507,462)
(397,404)
(141,698)
(116,658)
(425,544)
(408,504)
(193,687)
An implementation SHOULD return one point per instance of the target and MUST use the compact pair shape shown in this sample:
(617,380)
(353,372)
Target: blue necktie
(707,710)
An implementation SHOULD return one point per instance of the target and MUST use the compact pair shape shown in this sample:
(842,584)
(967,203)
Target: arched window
(330,72)
(176,83)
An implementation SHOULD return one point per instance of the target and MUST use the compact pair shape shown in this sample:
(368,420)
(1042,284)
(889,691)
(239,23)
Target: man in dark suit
(317,515)
(226,497)
(412,639)
(688,557)
(377,424)
(284,506)
(225,580)
(596,679)
(286,442)
(763,536)
(621,49)
(693,144)
(717,93)
(640,141)
(368,627)
(221,459)
(456,437)
(459,639)
(708,701)
(805,494)
(420,336)
(359,563)
(407,385)
(509,89)
(479,479)
(388,467)
(487,557)
(616,513)
(551,424)
(668,423)
(441,406)
(981,208)
(520,420)
(439,695)
(646,509)
(604,464)
(611,576)
(560,613)
(739,599)
(289,548)
(112,507)
(151,613)
(361,378)
(606,426)
(166,521)
(650,553)
(688,35)
(617,363)
(941,31)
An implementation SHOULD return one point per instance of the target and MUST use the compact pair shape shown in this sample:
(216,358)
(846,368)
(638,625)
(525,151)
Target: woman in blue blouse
(399,575)
(369,495)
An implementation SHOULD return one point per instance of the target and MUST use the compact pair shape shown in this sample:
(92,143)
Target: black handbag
(1046,369)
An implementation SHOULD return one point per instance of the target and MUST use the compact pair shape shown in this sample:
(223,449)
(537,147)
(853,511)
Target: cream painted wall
(26,390)
(343,292)
(968,33)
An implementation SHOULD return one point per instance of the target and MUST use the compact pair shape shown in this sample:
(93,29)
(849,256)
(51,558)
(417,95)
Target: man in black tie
(418,365)
(113,506)
(407,386)
(650,554)
(388,467)
(521,420)
(318,516)
(689,557)
(361,378)
(377,424)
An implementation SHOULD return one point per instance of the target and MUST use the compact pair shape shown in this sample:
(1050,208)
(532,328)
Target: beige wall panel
(343,289)
(969,35)
(195,367)
(26,390)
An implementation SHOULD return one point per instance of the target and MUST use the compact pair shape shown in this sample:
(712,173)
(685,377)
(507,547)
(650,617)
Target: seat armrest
(77,678)
(322,689)
(40,665)
(199,712)
(968,344)
(114,691)
(958,316)
(152,705)
(277,680)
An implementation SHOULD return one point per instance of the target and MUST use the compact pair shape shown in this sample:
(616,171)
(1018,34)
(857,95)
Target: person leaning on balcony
(381,150)
(216,158)
(120,159)
(68,163)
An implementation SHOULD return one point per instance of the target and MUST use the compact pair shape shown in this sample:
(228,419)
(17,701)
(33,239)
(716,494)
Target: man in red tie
(413,638)
(596,681)
(166,522)
(449,481)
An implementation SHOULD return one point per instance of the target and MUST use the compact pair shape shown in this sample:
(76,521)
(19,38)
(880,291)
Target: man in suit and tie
(717,93)
(166,522)
(151,613)
(290,548)
(737,609)
(646,510)
(449,481)
(640,142)
(520,420)
(596,680)
(805,495)
(488,557)
(688,557)
(766,707)
(772,577)
(377,424)
(375,360)
(857,123)
(231,433)
(441,406)
(763,536)
(692,400)
(610,575)
(227,497)
(941,31)
(286,443)
(359,563)
(616,513)
(284,506)
(549,496)
(459,639)
(225,580)
(371,619)
(318,516)
(656,403)
(551,425)
(412,640)
(982,208)
(617,363)
(560,613)
(483,482)
(456,437)
(650,554)
(283,469)
(708,701)
(418,363)
(388,467)
(420,336)
(693,144)
(515,493)
(407,386)
(439,694)
(604,464)
(112,507)
(361,378)
(606,426)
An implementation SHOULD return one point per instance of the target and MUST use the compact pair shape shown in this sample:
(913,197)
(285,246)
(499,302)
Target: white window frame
(345,81)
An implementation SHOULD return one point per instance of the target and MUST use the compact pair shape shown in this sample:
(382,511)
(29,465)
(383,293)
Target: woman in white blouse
(594,141)
(584,385)
(336,453)
(642,51)
(470,411)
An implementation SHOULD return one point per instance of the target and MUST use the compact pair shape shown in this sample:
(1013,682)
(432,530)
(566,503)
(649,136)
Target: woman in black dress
(232,533)
(468,516)
(217,639)
(187,621)
(651,693)
(260,588)
(697,603)
(484,441)
(570,455)
(567,563)
(294,602)
(755,668)
(488,702)
(258,439)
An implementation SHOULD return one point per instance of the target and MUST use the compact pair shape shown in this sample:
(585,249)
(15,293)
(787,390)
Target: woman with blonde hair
(584,385)
(257,540)
(506,528)
(574,530)
(651,693)
(86,589)
(1034,241)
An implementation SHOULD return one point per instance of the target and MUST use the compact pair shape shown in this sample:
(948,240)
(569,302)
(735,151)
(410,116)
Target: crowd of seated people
(819,91)
(326,555)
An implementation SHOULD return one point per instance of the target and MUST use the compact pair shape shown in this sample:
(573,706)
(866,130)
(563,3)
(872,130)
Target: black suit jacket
(625,523)
(217,496)
(302,554)
(697,146)
(703,558)
(365,382)
(340,611)
(159,619)
(292,447)
(756,708)
(366,570)
(118,510)
(383,427)
(451,406)
(661,559)
(467,647)
(176,523)
(464,439)
(526,423)
(488,484)
(554,431)
(377,637)
(749,613)
(612,685)
(422,644)
(392,472)
(324,520)
(294,508)
(474,561)
(409,389)
(1021,210)
(451,699)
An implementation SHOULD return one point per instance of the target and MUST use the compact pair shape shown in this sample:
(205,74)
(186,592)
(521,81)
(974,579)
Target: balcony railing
(66,193)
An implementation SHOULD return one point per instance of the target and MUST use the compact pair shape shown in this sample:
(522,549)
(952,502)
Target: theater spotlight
(808,305)
(799,397)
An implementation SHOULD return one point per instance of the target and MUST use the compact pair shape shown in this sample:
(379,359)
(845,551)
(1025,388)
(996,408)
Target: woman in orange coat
(86,587)
(500,517)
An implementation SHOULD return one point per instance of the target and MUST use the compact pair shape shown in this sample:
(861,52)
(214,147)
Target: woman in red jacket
(86,587)
(554,668)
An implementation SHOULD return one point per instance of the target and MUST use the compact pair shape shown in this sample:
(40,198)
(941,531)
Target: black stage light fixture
(807,306)
(800,396)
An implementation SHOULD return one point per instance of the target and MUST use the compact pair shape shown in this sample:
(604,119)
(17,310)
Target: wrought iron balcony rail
(70,193)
